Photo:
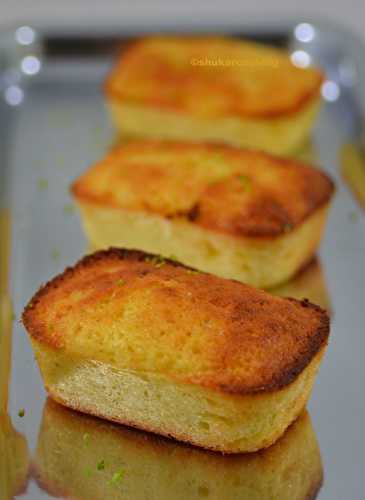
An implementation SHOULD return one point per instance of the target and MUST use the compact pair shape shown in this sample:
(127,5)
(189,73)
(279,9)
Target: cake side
(281,135)
(261,262)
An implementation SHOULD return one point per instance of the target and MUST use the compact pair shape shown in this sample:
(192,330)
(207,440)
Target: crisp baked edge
(286,376)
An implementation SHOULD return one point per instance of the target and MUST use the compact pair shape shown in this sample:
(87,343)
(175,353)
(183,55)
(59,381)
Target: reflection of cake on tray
(82,457)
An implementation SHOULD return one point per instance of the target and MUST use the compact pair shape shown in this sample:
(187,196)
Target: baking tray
(54,124)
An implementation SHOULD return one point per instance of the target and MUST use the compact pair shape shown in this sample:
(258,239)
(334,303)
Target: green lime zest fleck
(173,257)
(86,437)
(117,477)
(192,271)
(21,413)
(101,465)
(218,156)
(353,216)
(88,472)
(68,209)
(156,260)
(245,181)
(42,184)
(121,282)
(55,254)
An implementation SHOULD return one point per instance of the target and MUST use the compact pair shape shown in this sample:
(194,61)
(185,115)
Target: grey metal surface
(61,126)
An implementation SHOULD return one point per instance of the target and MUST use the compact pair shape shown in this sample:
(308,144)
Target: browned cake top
(222,188)
(212,77)
(138,312)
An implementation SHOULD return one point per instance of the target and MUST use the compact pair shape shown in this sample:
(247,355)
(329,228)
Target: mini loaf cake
(213,89)
(83,457)
(239,214)
(150,343)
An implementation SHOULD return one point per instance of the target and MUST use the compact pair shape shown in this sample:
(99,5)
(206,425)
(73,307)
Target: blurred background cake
(213,89)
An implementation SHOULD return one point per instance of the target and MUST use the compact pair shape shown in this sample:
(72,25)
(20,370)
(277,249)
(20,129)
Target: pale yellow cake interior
(152,401)
(264,262)
(279,135)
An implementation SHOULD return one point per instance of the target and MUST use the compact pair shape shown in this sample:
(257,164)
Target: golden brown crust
(179,74)
(193,327)
(220,188)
